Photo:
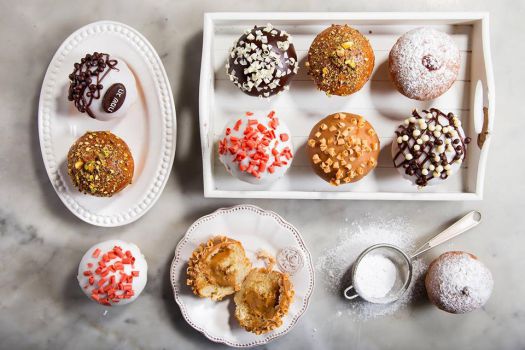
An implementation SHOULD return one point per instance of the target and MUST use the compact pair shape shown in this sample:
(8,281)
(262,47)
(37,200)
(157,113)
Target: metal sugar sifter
(403,261)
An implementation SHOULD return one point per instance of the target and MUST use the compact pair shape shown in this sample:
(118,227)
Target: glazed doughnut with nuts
(343,148)
(340,60)
(100,163)
(262,61)
(424,63)
(429,146)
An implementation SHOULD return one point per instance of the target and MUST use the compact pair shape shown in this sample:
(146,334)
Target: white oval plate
(256,229)
(149,127)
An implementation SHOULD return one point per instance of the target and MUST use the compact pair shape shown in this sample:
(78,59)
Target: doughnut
(262,61)
(340,60)
(256,148)
(343,148)
(102,86)
(217,268)
(263,300)
(100,163)
(429,146)
(424,63)
(457,282)
(113,272)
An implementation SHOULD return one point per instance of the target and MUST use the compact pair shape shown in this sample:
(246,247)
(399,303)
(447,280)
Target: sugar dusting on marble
(335,263)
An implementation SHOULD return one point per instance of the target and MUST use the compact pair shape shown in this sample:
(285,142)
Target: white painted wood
(378,101)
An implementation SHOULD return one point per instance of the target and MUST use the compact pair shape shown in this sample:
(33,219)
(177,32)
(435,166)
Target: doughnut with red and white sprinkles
(113,272)
(256,148)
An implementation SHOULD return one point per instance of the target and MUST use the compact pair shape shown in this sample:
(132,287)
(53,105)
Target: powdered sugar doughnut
(113,272)
(424,63)
(256,148)
(457,282)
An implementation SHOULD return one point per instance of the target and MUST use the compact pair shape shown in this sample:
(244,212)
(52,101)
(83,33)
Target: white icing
(140,265)
(124,76)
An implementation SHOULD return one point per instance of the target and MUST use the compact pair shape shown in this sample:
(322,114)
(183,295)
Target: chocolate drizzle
(86,80)
(429,144)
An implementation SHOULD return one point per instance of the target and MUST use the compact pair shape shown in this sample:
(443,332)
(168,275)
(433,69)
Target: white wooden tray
(471,97)
(148,127)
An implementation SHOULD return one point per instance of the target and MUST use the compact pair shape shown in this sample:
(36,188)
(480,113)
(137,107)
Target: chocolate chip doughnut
(340,60)
(343,148)
(428,146)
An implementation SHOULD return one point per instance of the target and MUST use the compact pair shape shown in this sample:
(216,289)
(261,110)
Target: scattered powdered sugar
(334,265)
(459,283)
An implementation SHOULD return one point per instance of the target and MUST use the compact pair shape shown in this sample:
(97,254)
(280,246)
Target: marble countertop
(41,306)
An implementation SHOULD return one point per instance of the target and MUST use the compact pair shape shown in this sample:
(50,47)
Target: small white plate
(256,229)
(149,127)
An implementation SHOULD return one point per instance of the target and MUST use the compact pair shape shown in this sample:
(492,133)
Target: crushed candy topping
(107,280)
(257,150)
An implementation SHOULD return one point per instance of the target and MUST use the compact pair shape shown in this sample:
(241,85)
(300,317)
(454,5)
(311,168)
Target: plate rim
(281,221)
(168,123)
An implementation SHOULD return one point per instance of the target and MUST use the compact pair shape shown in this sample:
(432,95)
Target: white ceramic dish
(472,97)
(255,229)
(149,128)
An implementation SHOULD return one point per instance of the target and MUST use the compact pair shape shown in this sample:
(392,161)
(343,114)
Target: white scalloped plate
(149,127)
(256,229)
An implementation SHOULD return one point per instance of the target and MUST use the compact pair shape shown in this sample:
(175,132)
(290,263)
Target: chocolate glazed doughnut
(262,61)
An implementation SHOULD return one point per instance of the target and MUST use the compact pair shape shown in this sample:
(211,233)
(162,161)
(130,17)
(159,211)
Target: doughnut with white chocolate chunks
(429,146)
(256,148)
(113,272)
(343,148)
(262,61)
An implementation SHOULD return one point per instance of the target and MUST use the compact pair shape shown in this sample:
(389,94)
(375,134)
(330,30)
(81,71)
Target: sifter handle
(467,222)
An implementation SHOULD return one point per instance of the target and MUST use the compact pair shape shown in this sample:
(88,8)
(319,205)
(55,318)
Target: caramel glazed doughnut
(343,148)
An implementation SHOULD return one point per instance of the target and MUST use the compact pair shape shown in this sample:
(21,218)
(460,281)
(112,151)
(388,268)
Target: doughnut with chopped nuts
(256,148)
(113,272)
(263,300)
(429,146)
(100,163)
(424,63)
(217,268)
(340,60)
(262,61)
(343,148)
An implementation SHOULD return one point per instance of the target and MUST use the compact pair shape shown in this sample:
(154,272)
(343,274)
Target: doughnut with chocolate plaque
(102,86)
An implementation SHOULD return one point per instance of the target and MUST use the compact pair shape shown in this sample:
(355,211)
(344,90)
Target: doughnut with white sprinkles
(262,61)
